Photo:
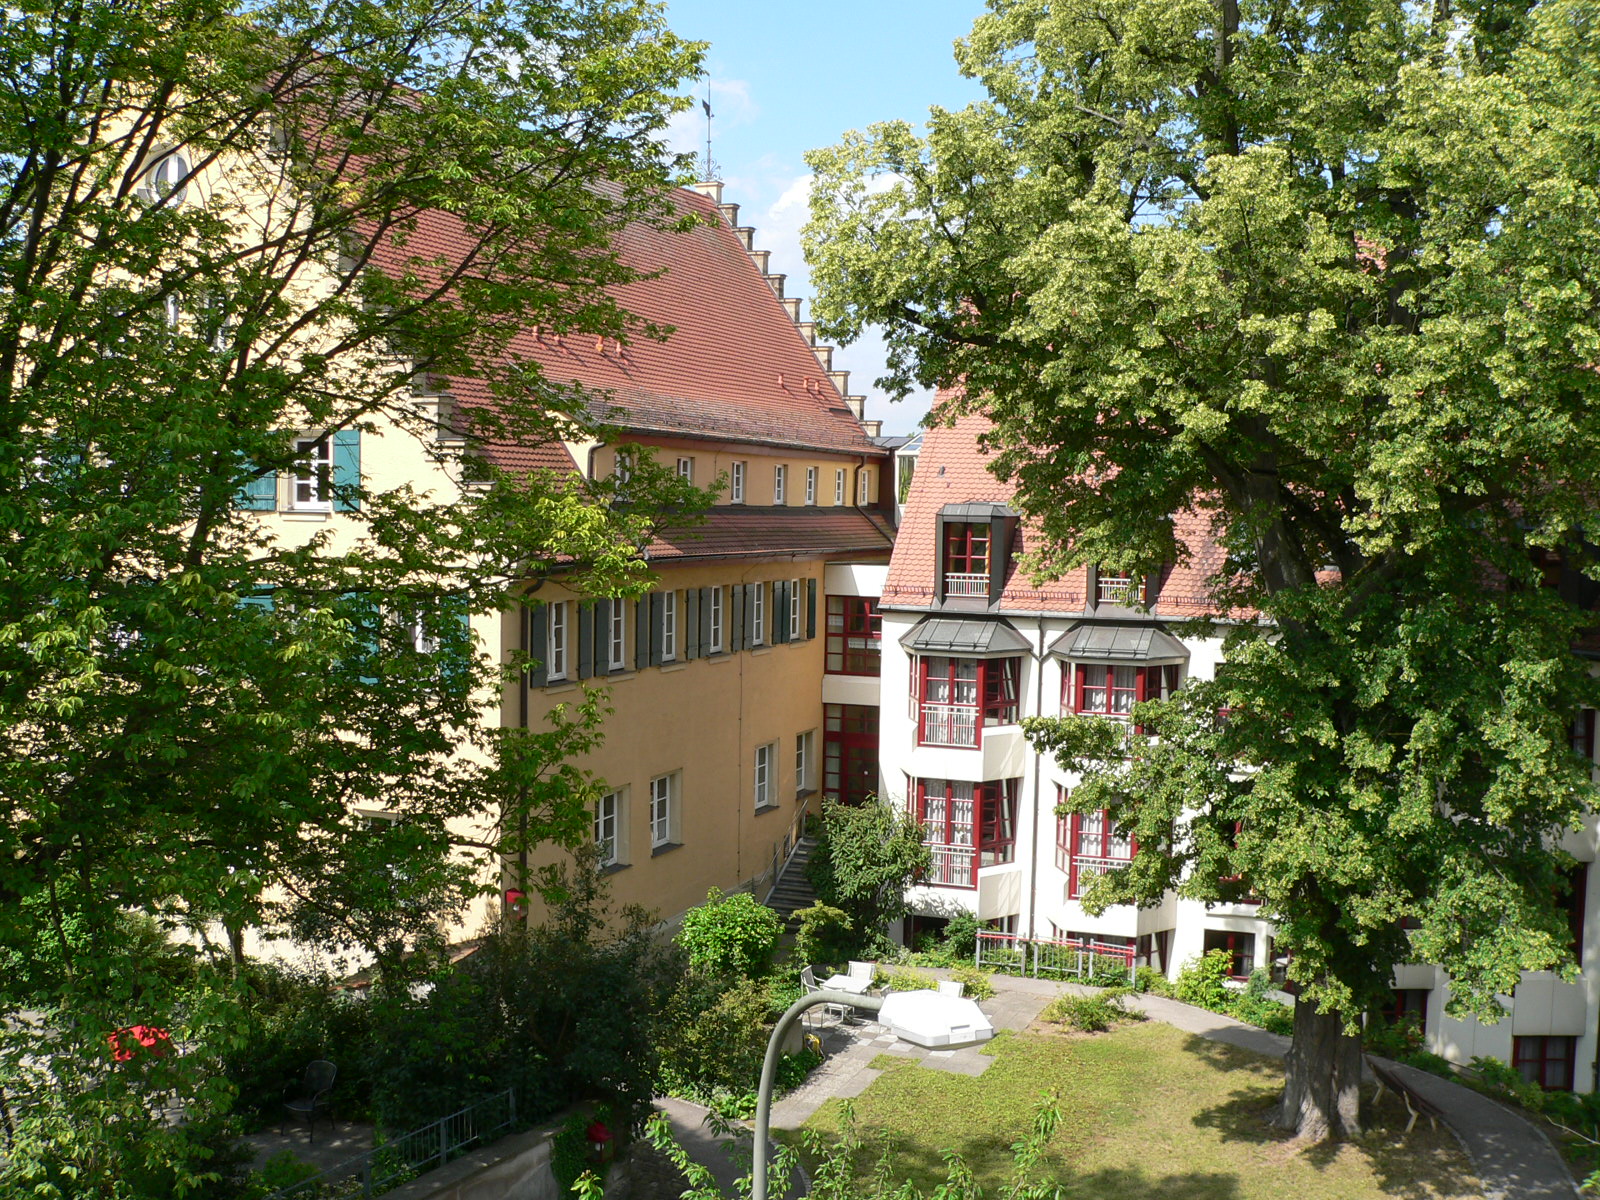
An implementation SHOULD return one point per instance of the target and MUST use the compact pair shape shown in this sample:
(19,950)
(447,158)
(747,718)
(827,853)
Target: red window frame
(1080,836)
(851,621)
(968,550)
(849,751)
(993,827)
(996,687)
(1408,1001)
(1582,734)
(1548,1061)
(1240,946)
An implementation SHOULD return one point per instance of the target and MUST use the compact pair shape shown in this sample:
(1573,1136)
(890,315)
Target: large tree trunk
(1322,1078)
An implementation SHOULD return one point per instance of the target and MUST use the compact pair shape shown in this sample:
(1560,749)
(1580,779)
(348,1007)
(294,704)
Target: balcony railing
(966,585)
(952,866)
(949,725)
(1084,870)
(1118,589)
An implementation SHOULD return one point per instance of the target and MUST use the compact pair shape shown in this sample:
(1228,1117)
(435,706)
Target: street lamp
(955,1023)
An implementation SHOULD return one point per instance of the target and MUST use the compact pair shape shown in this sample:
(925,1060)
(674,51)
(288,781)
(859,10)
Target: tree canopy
(221,274)
(1318,275)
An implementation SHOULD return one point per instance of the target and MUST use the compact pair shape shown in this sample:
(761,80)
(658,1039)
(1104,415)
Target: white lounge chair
(952,987)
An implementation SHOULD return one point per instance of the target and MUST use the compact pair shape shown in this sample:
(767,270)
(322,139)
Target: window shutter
(455,654)
(689,624)
(916,691)
(780,612)
(735,639)
(658,608)
(536,644)
(811,609)
(641,633)
(585,640)
(257,600)
(750,617)
(705,621)
(259,493)
(346,470)
(602,636)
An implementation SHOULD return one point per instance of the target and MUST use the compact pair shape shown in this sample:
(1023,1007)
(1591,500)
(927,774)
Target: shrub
(825,935)
(1499,1079)
(1393,1039)
(1148,979)
(1106,972)
(1201,981)
(976,984)
(1434,1064)
(714,1037)
(961,935)
(1093,1013)
(731,937)
(901,980)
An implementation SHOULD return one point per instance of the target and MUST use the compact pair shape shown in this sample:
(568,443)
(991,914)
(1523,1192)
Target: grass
(1148,1113)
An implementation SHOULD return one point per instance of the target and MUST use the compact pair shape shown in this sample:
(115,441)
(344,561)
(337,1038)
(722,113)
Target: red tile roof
(951,469)
(738,531)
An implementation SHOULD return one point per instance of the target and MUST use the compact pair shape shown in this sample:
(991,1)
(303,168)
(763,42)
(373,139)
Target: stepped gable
(952,469)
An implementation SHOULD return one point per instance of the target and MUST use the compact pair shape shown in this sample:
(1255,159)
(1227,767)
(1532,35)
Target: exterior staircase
(793,889)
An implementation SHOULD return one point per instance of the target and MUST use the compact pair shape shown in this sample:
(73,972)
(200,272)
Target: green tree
(221,233)
(866,858)
(730,937)
(1315,278)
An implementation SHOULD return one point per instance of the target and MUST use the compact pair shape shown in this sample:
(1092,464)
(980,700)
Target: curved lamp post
(769,1071)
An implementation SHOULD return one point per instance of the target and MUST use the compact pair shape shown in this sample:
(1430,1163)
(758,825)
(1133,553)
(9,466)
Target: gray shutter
(735,639)
(602,636)
(346,470)
(811,608)
(641,633)
(585,640)
(689,623)
(750,615)
(537,646)
(780,609)
(658,609)
(705,620)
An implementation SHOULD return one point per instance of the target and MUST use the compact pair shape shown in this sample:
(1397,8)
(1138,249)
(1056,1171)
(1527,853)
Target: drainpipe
(1038,847)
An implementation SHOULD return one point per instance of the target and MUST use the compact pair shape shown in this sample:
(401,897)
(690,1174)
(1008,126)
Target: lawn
(1147,1112)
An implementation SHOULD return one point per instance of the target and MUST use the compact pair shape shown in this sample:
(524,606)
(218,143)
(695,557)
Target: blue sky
(787,78)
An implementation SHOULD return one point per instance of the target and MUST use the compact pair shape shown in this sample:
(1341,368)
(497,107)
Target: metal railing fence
(1079,959)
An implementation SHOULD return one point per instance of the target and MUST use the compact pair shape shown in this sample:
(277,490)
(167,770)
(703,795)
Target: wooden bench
(1416,1103)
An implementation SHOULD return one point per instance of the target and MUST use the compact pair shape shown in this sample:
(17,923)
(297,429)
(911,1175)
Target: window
(850,751)
(854,636)
(958,697)
(623,471)
(966,559)
(617,651)
(686,469)
(838,486)
(758,614)
(607,828)
(965,826)
(555,659)
(663,810)
(1407,1005)
(1240,946)
(796,629)
(1583,734)
(311,485)
(1088,846)
(1546,1061)
(780,483)
(811,485)
(736,483)
(714,643)
(864,487)
(167,179)
(1106,690)
(669,626)
(805,751)
(765,756)
(1115,587)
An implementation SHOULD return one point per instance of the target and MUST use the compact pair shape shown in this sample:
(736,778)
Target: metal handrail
(966,584)
(395,1162)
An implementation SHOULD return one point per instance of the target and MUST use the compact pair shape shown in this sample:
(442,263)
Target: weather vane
(711,170)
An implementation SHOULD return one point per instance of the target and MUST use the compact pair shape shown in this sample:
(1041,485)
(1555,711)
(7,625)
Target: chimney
(873,428)
(712,190)
(776,283)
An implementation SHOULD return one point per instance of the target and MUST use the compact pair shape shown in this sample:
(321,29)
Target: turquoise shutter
(347,470)
(259,493)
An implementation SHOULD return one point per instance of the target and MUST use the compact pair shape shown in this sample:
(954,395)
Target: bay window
(1112,689)
(1088,846)
(966,826)
(854,636)
(958,697)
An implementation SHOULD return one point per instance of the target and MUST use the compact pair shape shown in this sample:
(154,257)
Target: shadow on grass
(1412,1166)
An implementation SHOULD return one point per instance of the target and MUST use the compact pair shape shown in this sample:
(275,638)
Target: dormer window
(1116,587)
(966,558)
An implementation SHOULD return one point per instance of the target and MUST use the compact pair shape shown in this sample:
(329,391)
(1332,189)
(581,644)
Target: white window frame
(838,485)
(766,756)
(864,486)
(686,469)
(794,610)
(663,803)
(557,643)
(736,483)
(617,656)
(804,756)
(608,828)
(669,626)
(811,485)
(758,616)
(780,484)
(622,469)
(313,472)
(717,638)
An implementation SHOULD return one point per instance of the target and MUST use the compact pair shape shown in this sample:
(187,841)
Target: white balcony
(959,584)
(952,866)
(1088,870)
(949,725)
